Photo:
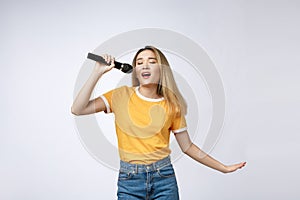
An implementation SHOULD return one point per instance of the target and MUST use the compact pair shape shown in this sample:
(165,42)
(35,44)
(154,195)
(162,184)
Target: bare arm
(82,104)
(197,154)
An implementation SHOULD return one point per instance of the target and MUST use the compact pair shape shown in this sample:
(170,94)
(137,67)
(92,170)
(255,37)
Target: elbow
(75,111)
(186,152)
(187,149)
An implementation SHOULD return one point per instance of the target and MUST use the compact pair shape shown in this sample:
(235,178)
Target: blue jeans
(147,182)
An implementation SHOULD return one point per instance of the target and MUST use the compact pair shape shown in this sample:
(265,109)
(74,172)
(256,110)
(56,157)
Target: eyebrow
(148,58)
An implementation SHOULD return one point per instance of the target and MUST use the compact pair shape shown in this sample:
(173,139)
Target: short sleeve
(107,101)
(179,124)
(111,96)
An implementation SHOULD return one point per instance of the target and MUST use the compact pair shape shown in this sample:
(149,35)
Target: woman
(144,116)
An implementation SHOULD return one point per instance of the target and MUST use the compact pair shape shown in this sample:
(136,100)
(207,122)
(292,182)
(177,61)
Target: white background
(254,44)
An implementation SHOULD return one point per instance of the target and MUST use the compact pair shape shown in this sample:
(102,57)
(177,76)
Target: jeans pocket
(166,171)
(125,175)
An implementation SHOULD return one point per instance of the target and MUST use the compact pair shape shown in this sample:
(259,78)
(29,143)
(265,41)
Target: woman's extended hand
(232,168)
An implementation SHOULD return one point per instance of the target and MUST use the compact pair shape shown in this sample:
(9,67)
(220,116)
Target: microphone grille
(126,68)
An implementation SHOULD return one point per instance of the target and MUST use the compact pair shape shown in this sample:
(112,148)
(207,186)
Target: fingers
(242,164)
(239,166)
(112,63)
(232,168)
(103,67)
(109,59)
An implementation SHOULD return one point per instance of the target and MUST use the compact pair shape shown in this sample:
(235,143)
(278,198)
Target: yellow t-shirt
(143,125)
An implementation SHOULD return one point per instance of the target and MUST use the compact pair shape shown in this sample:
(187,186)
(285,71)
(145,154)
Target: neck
(149,91)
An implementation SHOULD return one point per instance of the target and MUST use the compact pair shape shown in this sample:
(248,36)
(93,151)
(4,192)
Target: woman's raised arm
(82,104)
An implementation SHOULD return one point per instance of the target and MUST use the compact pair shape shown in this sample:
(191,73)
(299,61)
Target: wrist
(97,73)
(224,169)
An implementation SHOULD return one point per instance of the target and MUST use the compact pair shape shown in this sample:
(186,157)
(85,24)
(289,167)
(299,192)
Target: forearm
(197,154)
(83,98)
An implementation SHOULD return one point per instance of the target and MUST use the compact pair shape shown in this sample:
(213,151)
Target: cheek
(137,71)
(157,73)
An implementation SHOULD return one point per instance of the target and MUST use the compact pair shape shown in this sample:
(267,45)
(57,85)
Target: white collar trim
(146,98)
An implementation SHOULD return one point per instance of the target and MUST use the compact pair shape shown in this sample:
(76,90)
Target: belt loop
(136,168)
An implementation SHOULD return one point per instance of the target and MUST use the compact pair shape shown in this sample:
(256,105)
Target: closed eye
(152,60)
(140,61)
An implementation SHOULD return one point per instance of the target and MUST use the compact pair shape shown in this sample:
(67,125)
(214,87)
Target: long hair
(167,86)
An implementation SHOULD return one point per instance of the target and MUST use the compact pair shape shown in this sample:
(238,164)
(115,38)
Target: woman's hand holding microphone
(101,68)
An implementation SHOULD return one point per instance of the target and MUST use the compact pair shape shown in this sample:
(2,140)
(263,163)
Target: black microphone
(126,68)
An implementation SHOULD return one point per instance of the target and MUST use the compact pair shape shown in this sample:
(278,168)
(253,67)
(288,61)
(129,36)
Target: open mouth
(146,74)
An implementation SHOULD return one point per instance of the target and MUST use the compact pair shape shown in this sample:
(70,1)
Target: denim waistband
(136,168)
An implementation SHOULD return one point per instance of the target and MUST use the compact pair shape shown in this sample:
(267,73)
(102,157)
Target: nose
(146,66)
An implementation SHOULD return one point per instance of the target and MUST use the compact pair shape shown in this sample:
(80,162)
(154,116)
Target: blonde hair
(167,86)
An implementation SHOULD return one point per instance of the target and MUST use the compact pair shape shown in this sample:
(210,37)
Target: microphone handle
(101,60)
